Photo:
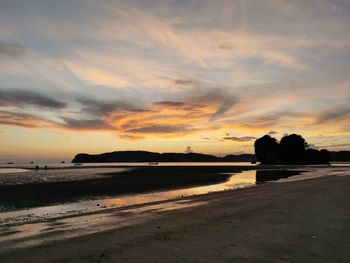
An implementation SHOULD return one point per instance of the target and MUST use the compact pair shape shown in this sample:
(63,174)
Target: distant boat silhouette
(153,163)
(9,163)
(78,164)
(63,162)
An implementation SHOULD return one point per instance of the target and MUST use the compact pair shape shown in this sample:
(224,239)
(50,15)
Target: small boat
(78,164)
(153,163)
(9,163)
(253,162)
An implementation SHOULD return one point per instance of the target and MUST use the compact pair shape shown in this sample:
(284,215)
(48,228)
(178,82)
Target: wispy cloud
(22,98)
(86,124)
(3,133)
(240,139)
(10,49)
(334,114)
(25,120)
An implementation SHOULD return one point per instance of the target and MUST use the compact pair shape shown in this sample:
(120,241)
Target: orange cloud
(24,120)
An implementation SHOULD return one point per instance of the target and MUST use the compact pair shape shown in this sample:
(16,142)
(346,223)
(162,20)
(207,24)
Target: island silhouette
(292,149)
(145,156)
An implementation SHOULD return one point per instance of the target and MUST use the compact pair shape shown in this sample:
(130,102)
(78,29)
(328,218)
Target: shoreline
(291,174)
(135,180)
(214,181)
(259,207)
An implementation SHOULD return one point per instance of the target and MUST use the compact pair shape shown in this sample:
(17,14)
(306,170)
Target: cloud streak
(337,113)
(11,50)
(240,139)
(3,133)
(25,120)
(86,124)
(23,98)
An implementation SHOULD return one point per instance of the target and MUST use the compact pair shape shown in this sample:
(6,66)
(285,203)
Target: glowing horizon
(85,76)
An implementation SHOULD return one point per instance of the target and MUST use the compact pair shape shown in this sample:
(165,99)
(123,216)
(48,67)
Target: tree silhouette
(292,149)
(266,150)
(325,156)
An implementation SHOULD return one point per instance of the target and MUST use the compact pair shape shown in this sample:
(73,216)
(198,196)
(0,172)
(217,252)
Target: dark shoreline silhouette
(340,156)
(292,149)
(145,156)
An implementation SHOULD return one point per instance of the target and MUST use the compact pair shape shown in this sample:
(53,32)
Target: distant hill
(341,156)
(145,156)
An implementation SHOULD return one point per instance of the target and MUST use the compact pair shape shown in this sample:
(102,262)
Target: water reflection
(239,180)
(12,170)
(263,176)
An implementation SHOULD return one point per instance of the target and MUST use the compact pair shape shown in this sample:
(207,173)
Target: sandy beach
(302,221)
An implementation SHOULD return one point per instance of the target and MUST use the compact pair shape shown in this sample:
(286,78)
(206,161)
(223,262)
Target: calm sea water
(68,165)
(18,173)
(11,176)
(22,173)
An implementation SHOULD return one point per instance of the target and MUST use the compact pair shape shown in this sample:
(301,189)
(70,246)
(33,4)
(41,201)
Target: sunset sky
(97,76)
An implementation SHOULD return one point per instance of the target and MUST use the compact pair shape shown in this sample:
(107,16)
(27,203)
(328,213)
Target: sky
(99,76)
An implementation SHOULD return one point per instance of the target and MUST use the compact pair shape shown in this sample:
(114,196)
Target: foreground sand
(304,221)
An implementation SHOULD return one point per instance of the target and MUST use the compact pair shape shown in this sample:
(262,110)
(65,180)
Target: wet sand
(302,221)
